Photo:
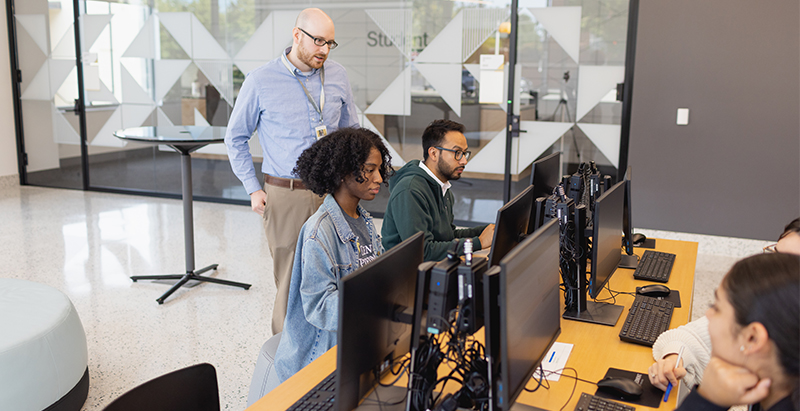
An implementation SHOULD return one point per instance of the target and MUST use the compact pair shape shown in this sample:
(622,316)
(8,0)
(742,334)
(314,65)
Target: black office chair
(191,388)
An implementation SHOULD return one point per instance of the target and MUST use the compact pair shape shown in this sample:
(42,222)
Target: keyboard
(647,319)
(654,266)
(320,397)
(590,402)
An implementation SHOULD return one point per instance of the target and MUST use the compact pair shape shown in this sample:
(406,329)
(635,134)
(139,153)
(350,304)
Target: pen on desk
(677,364)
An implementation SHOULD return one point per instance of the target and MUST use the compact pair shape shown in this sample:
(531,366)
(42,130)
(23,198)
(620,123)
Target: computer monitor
(629,259)
(522,313)
(511,226)
(545,176)
(606,237)
(373,332)
(605,256)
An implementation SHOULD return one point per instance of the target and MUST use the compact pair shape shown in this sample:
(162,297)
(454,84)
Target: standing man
(292,101)
(420,198)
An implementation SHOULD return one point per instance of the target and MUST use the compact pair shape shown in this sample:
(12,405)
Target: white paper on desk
(555,361)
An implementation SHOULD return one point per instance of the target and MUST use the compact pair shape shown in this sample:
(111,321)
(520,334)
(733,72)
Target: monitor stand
(588,311)
(385,399)
(597,313)
(628,261)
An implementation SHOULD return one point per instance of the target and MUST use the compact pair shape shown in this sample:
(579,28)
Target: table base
(189,276)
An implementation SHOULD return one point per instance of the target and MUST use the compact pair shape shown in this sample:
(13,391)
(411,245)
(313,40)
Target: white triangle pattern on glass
(395,24)
(606,137)
(446,46)
(446,79)
(564,25)
(395,100)
(35,26)
(594,83)
(478,25)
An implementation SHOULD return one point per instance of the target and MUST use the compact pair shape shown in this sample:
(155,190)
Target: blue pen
(677,364)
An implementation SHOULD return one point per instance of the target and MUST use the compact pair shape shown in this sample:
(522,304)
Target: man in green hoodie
(420,198)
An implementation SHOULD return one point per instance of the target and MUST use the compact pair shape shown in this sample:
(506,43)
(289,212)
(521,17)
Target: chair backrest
(265,378)
(191,388)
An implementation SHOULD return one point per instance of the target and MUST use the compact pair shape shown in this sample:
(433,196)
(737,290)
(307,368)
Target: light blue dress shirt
(272,101)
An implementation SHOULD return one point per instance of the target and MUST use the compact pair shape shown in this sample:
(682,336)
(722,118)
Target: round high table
(184,140)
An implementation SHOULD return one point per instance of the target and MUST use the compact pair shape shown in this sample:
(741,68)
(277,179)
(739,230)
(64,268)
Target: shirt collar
(445,186)
(296,70)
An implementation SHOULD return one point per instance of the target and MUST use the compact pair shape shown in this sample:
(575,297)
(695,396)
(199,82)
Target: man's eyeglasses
(320,42)
(456,153)
(772,248)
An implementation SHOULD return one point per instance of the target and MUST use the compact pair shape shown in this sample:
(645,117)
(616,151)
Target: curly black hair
(324,165)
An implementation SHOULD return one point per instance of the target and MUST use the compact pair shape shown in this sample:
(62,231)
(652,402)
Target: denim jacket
(326,251)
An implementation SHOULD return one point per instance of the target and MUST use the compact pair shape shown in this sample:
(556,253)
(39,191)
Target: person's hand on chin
(726,385)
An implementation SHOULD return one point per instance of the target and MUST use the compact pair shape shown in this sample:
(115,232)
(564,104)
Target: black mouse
(638,239)
(653,290)
(622,387)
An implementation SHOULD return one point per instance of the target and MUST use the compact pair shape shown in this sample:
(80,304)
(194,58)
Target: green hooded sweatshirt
(416,204)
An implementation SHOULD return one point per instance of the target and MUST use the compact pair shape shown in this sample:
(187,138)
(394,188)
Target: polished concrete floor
(87,244)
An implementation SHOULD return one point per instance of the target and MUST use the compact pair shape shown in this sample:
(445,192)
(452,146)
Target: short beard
(449,173)
(308,58)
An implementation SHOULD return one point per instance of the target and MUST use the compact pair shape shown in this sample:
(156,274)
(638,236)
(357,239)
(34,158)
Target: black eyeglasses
(457,153)
(320,42)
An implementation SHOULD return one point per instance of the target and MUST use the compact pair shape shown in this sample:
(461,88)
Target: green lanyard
(322,87)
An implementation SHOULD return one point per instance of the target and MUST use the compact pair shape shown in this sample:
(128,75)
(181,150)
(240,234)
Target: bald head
(312,26)
(312,17)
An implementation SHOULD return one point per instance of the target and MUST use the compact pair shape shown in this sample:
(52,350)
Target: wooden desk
(596,347)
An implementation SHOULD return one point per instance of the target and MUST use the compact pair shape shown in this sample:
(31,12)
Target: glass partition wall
(182,62)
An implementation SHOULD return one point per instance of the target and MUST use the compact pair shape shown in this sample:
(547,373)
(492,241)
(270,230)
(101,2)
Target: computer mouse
(653,290)
(638,239)
(622,387)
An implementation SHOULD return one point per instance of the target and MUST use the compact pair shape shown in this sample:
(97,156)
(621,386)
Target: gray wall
(735,169)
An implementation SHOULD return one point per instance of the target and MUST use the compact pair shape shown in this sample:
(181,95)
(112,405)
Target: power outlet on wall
(683,116)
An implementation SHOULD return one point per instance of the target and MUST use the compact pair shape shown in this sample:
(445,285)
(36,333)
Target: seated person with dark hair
(349,165)
(421,200)
(695,337)
(753,327)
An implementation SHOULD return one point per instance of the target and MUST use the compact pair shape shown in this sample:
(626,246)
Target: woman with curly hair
(346,167)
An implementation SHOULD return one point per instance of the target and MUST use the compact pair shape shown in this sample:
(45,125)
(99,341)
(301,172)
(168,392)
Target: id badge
(321,131)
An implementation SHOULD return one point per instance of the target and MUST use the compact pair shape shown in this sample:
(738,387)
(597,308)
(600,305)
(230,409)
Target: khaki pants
(285,212)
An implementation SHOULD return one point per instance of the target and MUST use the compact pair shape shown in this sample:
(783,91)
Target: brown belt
(290,183)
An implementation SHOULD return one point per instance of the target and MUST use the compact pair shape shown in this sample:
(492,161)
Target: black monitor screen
(530,310)
(369,337)
(546,175)
(511,226)
(606,237)
(627,224)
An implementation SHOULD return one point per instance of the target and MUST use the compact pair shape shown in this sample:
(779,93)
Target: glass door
(51,115)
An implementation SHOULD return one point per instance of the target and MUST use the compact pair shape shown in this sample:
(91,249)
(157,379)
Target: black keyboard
(647,319)
(654,266)
(320,397)
(590,402)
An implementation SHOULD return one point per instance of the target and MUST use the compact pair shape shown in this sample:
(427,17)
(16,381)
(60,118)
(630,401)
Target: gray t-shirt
(366,251)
